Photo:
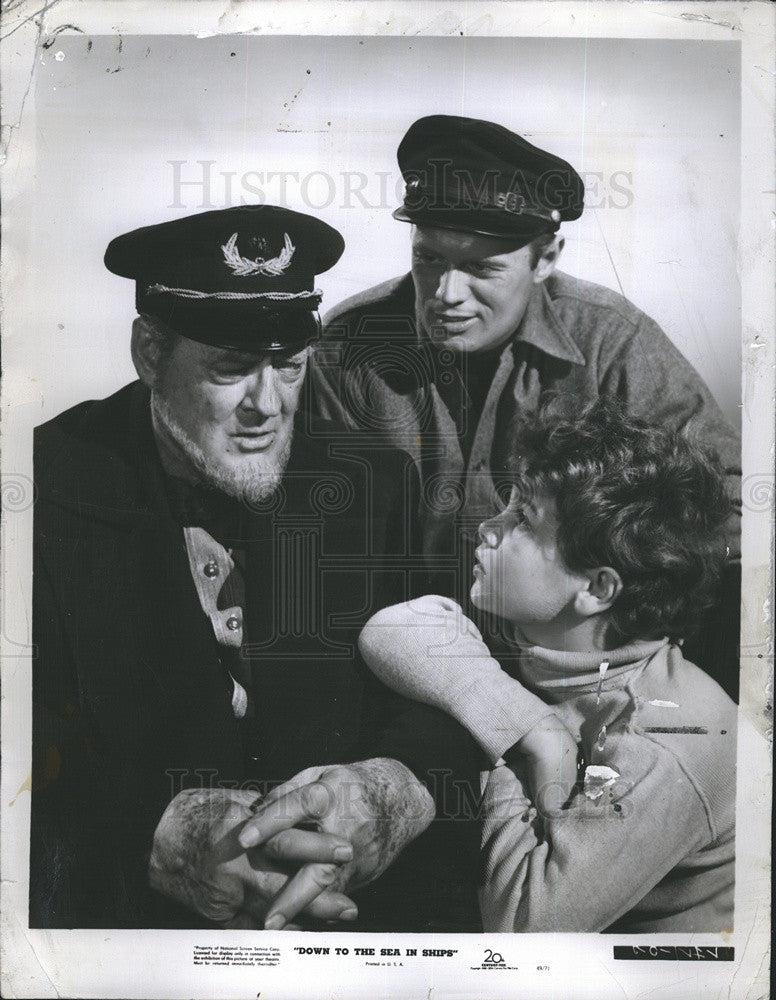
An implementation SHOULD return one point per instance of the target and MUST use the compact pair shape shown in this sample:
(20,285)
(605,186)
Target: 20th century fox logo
(494,960)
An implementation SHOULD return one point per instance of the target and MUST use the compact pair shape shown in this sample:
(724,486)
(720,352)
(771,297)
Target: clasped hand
(326,830)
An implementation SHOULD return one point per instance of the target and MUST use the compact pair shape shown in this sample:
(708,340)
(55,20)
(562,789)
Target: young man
(439,361)
(610,546)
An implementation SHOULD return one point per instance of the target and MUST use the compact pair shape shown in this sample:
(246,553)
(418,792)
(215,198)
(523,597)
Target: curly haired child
(610,803)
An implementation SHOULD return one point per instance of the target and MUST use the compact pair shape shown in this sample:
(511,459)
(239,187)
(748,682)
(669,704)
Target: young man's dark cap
(477,176)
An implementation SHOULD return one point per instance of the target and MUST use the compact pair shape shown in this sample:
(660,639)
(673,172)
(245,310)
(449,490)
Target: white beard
(251,481)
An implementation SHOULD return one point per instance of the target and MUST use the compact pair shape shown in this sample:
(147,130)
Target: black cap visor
(240,326)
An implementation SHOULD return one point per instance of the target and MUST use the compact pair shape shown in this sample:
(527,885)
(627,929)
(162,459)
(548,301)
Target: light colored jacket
(650,846)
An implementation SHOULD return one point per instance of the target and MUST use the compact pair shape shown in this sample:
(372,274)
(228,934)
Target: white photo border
(153,963)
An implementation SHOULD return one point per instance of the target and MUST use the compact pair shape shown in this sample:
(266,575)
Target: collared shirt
(218,571)
(575,338)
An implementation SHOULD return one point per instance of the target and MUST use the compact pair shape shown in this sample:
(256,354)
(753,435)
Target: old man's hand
(377,805)
(198,861)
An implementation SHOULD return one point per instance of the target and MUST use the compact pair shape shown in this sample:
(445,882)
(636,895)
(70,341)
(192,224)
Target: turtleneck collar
(562,674)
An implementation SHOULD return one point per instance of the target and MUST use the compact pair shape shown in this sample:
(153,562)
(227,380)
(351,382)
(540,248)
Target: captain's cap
(478,177)
(239,277)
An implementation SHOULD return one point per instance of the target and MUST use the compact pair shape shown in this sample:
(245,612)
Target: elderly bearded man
(441,361)
(203,561)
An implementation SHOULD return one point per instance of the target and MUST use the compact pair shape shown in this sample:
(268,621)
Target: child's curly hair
(648,502)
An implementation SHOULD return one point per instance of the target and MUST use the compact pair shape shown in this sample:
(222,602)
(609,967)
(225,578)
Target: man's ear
(145,351)
(603,588)
(548,260)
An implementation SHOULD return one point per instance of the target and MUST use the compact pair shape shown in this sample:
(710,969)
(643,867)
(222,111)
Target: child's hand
(550,752)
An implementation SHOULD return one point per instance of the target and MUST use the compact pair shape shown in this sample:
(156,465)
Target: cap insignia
(243,266)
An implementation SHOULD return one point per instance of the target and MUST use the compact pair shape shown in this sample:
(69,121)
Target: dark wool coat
(132,702)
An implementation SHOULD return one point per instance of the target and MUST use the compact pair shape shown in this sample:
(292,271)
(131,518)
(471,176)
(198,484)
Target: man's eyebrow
(289,355)
(490,261)
(225,355)
(487,260)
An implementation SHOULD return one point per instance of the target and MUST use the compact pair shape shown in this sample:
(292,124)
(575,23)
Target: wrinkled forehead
(208,354)
(456,244)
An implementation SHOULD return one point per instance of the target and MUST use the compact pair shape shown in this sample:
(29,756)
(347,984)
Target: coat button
(233,623)
(211,569)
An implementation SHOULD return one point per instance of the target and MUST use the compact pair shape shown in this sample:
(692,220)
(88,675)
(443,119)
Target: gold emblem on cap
(243,266)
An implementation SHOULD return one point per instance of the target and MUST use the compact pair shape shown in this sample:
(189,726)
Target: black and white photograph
(387,482)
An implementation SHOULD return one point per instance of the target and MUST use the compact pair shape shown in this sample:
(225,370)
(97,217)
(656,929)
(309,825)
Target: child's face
(519,573)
